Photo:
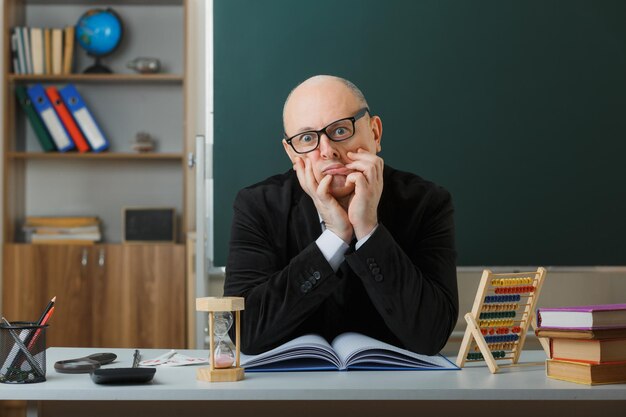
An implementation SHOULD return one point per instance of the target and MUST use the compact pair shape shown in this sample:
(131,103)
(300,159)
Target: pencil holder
(22,353)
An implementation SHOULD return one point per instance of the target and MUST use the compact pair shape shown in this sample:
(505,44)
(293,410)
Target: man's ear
(377,130)
(290,153)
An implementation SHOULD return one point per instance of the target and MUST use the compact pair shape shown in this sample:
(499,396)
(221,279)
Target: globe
(99,33)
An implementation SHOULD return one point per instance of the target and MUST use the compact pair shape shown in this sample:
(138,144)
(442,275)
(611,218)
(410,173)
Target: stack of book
(587,343)
(42,50)
(76,230)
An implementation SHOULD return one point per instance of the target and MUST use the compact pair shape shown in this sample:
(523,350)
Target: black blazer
(399,287)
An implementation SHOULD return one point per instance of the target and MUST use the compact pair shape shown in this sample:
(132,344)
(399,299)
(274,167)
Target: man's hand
(334,216)
(368,187)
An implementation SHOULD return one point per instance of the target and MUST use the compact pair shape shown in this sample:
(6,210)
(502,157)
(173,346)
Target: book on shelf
(48,230)
(586,373)
(61,221)
(583,317)
(21,52)
(36,50)
(47,48)
(50,118)
(592,351)
(15,58)
(65,242)
(57,51)
(614,333)
(69,124)
(44,138)
(27,52)
(64,237)
(68,49)
(346,351)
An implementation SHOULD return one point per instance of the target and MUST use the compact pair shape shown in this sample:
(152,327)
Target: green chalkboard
(518,108)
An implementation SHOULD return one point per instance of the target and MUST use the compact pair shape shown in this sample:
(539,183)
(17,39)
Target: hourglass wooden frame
(214,305)
(517,293)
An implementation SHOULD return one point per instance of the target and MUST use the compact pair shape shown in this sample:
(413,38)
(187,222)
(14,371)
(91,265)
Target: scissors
(85,364)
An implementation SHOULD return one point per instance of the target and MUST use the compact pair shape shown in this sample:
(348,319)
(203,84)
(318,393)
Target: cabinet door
(33,274)
(109,296)
(153,307)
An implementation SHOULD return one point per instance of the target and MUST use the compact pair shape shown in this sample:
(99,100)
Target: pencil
(45,311)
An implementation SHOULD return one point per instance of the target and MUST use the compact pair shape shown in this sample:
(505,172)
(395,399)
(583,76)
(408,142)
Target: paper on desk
(173,358)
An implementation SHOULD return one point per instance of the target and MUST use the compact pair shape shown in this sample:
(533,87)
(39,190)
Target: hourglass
(223,356)
(224,364)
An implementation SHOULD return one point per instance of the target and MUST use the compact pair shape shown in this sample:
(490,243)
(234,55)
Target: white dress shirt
(334,248)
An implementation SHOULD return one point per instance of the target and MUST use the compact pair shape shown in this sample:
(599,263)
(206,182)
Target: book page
(364,351)
(309,346)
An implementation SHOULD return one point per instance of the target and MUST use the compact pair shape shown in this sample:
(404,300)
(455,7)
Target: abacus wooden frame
(473,333)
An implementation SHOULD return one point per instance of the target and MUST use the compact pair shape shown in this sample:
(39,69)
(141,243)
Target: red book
(68,121)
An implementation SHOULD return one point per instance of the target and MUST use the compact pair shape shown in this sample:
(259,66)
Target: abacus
(503,309)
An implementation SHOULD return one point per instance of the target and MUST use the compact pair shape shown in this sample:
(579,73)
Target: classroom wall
(561,288)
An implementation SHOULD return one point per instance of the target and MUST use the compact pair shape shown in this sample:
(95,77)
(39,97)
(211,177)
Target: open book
(347,351)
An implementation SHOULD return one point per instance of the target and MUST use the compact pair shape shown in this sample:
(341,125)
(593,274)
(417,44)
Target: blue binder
(85,120)
(50,118)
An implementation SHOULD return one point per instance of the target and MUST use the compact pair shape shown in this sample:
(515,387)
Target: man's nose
(327,148)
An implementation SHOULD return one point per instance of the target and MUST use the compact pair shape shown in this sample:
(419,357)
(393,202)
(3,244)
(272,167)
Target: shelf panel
(104,156)
(110,2)
(98,78)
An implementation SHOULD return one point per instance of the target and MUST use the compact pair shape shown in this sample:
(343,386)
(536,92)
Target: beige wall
(561,287)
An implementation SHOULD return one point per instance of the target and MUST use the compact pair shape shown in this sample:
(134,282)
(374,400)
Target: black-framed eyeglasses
(337,131)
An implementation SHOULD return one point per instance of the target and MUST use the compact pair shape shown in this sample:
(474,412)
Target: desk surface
(179,383)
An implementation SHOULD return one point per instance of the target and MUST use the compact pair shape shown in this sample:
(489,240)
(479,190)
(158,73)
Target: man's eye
(340,131)
(306,139)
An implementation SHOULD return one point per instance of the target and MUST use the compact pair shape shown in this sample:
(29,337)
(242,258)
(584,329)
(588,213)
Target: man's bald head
(320,81)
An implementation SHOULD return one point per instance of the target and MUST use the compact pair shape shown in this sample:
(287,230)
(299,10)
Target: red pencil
(45,320)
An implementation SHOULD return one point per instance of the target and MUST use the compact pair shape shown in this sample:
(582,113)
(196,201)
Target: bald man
(343,242)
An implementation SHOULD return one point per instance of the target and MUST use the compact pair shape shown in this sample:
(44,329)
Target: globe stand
(97,67)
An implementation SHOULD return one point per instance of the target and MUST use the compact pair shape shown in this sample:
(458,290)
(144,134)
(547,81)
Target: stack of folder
(60,119)
(587,343)
(78,229)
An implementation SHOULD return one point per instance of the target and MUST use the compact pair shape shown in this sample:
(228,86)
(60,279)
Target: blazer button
(373,266)
(378,278)
(370,260)
(308,285)
(304,289)
(317,275)
(312,280)
(376,271)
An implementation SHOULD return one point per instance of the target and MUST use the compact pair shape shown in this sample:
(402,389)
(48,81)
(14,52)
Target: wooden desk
(175,391)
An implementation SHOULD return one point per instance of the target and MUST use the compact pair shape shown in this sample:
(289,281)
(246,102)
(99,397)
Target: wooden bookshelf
(105,281)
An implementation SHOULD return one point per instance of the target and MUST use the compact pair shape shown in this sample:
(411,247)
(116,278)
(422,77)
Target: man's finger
(324,186)
(309,176)
(298,166)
